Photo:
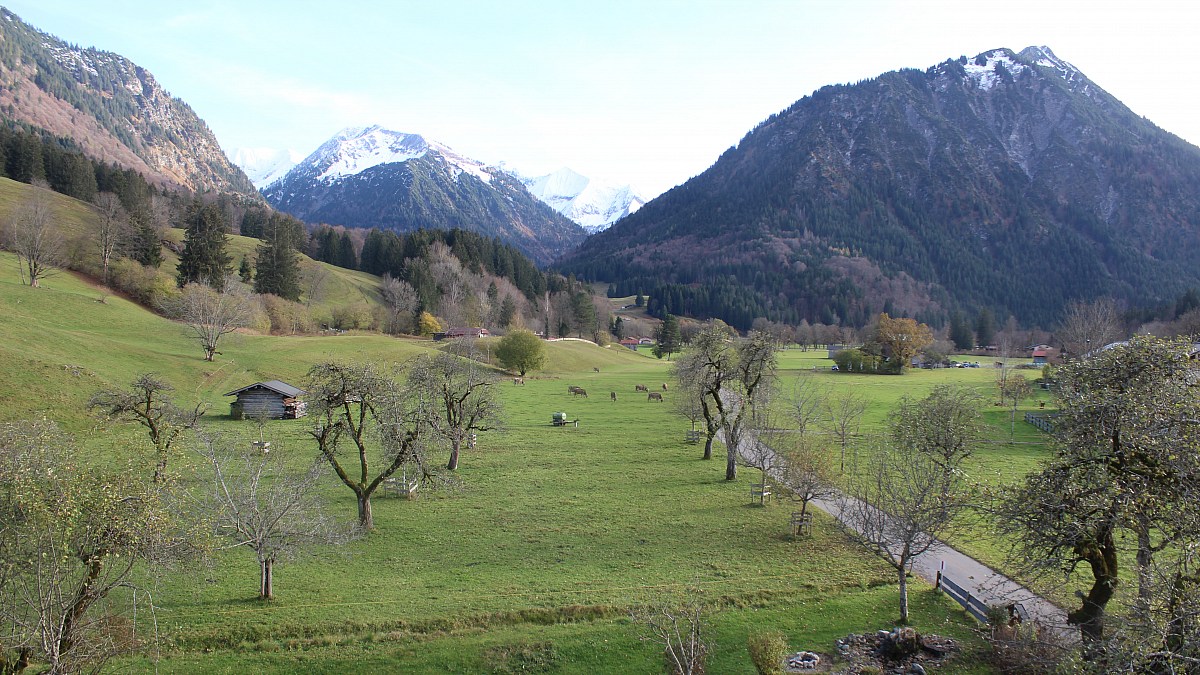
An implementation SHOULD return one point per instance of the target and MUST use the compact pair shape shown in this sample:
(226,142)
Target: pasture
(532,564)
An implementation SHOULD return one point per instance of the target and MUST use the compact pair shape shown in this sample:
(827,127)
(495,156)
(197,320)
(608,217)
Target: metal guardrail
(974,606)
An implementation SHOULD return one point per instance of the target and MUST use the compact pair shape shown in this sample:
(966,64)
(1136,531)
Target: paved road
(981,581)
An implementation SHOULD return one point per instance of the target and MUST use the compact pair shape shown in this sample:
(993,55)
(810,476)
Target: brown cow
(613,395)
(596,370)
(664,386)
(640,387)
(653,396)
(519,380)
(580,391)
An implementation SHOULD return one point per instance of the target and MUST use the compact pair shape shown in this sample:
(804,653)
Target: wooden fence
(1043,422)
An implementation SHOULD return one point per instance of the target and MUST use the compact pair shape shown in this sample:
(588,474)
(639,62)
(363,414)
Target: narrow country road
(983,582)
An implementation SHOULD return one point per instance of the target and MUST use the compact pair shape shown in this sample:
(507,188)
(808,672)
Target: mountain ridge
(367,177)
(972,184)
(114,109)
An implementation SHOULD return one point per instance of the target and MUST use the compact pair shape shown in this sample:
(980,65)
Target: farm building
(274,399)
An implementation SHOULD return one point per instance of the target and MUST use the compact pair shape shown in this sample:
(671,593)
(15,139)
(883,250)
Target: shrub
(145,285)
(286,316)
(768,651)
(356,315)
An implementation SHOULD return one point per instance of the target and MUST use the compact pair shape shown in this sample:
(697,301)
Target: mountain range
(1008,181)
(594,204)
(375,177)
(113,109)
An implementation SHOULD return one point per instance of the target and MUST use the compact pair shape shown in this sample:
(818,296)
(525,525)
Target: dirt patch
(901,651)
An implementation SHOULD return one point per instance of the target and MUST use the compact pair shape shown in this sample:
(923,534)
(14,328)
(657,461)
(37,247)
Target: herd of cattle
(612,395)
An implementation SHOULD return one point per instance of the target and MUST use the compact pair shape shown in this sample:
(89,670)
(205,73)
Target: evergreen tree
(204,258)
(245,272)
(667,339)
(960,332)
(640,301)
(508,311)
(277,265)
(985,328)
(144,244)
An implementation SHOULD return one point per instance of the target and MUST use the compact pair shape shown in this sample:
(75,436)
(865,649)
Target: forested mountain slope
(1007,181)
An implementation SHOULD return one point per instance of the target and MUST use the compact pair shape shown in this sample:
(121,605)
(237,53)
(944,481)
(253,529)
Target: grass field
(555,534)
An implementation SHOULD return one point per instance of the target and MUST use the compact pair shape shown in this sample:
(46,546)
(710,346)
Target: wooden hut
(273,399)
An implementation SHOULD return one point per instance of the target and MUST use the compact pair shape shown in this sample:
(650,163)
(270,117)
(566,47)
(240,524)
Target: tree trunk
(903,573)
(209,352)
(708,443)
(1090,616)
(266,585)
(1145,556)
(365,519)
(730,463)
(84,597)
(453,463)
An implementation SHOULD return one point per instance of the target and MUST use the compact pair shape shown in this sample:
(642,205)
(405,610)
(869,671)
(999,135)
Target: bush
(286,316)
(356,315)
(768,651)
(145,285)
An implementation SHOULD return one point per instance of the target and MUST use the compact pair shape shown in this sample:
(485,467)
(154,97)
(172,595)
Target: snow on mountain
(594,204)
(265,165)
(356,149)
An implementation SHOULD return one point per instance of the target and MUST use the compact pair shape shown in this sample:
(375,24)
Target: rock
(917,669)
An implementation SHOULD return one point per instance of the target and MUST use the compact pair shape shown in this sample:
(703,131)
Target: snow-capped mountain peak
(356,149)
(594,204)
(265,165)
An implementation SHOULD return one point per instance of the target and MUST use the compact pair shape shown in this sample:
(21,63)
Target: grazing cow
(664,386)
(596,370)
(654,396)
(519,380)
(571,389)
(580,391)
(640,387)
(613,395)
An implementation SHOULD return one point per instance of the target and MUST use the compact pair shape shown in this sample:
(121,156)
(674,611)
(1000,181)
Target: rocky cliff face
(112,108)
(1008,181)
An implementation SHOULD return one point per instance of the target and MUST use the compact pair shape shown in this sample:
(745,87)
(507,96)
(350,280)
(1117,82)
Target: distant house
(1040,355)
(630,343)
(645,341)
(273,400)
(462,331)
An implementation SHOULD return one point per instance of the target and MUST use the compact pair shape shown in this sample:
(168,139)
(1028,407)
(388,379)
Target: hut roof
(274,385)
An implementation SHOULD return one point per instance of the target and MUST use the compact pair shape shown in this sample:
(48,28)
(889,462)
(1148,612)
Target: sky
(647,92)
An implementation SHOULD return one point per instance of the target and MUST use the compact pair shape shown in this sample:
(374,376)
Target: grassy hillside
(534,563)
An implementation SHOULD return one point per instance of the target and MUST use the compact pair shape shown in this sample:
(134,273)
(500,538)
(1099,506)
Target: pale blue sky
(641,91)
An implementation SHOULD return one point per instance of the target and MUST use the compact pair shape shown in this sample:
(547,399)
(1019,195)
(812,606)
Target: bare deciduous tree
(254,500)
(359,404)
(733,376)
(808,402)
(32,236)
(148,402)
(401,301)
(679,629)
(844,412)
(211,315)
(112,228)
(902,504)
(805,470)
(456,395)
(1090,325)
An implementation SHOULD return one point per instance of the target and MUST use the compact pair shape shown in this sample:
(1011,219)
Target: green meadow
(531,564)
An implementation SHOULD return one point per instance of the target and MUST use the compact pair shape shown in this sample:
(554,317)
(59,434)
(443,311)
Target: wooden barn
(274,399)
